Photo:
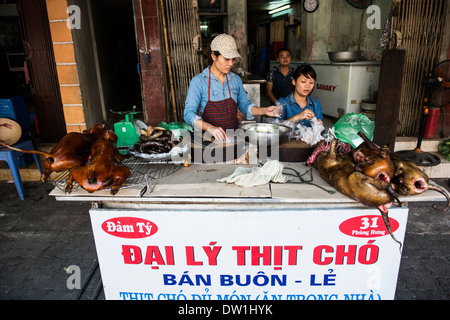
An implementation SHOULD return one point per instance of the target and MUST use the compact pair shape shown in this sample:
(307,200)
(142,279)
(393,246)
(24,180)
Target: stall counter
(189,237)
(198,182)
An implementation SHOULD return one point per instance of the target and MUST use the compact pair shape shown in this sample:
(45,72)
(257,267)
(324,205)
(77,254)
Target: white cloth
(249,177)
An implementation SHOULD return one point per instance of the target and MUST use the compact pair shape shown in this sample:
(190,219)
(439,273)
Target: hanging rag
(271,171)
(299,32)
(385,36)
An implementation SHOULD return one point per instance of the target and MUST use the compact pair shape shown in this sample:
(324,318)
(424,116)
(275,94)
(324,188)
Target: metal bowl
(266,133)
(344,56)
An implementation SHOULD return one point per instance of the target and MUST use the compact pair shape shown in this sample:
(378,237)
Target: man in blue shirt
(299,107)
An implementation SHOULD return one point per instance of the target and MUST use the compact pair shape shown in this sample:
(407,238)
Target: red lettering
(318,255)
(153,255)
(190,259)
(368,253)
(240,252)
(257,255)
(292,254)
(277,255)
(325,87)
(169,256)
(212,254)
(131,254)
(266,255)
(341,254)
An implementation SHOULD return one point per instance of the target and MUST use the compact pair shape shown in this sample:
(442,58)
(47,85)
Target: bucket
(369,110)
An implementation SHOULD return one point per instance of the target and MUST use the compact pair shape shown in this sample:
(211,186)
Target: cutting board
(204,151)
(200,181)
(295,151)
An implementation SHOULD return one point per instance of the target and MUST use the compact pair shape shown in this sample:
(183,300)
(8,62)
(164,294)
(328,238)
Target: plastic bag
(348,126)
(286,123)
(279,109)
(179,129)
(311,135)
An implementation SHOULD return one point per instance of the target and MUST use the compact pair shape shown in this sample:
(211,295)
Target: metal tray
(143,173)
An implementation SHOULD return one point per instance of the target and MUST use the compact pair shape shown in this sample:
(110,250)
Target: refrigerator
(342,86)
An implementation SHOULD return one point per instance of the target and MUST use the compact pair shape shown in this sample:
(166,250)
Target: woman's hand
(306,115)
(240,116)
(217,132)
(270,112)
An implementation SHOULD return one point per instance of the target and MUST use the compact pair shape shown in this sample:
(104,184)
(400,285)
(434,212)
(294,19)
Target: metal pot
(344,56)
(266,133)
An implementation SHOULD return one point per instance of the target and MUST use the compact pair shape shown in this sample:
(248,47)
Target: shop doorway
(28,67)
(107,59)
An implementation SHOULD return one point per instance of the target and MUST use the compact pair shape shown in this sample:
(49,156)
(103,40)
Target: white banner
(344,254)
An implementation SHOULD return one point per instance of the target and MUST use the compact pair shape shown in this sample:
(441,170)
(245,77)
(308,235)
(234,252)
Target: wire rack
(143,173)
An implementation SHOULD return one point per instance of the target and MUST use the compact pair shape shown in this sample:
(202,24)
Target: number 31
(365,223)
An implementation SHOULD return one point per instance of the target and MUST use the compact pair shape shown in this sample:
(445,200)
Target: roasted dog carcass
(343,174)
(101,171)
(405,176)
(71,151)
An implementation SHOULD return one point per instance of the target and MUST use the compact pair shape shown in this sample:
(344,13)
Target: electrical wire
(310,181)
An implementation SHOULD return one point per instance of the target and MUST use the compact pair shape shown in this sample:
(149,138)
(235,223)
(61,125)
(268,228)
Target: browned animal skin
(71,151)
(100,172)
(375,164)
(407,178)
(373,160)
(410,180)
(341,173)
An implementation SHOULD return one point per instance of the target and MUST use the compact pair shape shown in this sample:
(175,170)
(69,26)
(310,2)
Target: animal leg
(382,185)
(121,174)
(69,185)
(118,157)
(393,194)
(45,175)
(369,143)
(384,215)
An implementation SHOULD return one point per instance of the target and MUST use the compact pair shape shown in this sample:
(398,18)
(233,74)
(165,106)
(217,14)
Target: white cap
(226,45)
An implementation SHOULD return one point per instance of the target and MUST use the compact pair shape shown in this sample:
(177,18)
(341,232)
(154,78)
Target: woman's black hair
(305,70)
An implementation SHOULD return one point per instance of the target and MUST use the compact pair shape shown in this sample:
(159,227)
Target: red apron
(221,113)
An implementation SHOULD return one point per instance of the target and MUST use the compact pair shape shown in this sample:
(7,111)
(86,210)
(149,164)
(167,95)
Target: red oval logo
(367,226)
(129,227)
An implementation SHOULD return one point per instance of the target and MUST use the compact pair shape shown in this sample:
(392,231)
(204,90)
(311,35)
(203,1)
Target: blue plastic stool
(11,158)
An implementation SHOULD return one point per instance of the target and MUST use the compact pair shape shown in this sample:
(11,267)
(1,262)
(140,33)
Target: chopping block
(295,151)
